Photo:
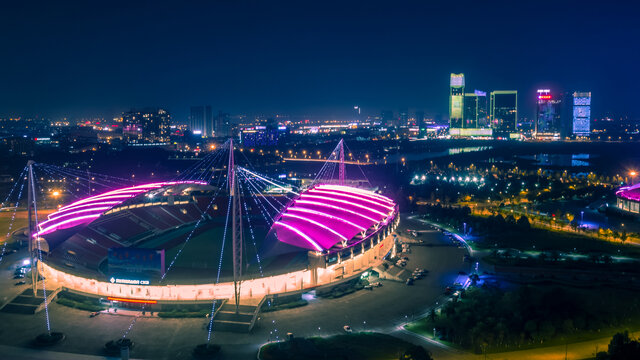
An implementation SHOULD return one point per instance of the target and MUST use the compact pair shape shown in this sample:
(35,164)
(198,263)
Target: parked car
(94,314)
(347,328)
(377,284)
(409,281)
(21,283)
(368,287)
(448,291)
(19,276)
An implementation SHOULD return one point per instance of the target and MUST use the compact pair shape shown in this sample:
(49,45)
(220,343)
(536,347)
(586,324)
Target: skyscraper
(456,101)
(420,123)
(386,117)
(201,121)
(470,111)
(548,122)
(504,112)
(404,117)
(146,126)
(483,114)
(223,125)
(581,113)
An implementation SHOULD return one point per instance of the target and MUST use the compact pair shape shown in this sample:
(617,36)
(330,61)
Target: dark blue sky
(308,58)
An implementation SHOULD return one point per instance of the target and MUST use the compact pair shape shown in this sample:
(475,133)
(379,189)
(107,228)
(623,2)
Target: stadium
(121,244)
(628,199)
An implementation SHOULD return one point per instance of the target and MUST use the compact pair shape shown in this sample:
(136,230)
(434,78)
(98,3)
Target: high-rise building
(504,112)
(421,124)
(386,117)
(470,111)
(548,122)
(456,101)
(146,125)
(483,114)
(223,125)
(581,113)
(403,119)
(201,121)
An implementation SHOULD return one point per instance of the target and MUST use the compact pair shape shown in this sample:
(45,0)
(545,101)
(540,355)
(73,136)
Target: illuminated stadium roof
(88,209)
(328,215)
(629,192)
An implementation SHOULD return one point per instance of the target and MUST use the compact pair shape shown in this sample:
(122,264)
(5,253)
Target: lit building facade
(504,112)
(481,109)
(456,101)
(201,121)
(470,111)
(581,113)
(146,126)
(548,123)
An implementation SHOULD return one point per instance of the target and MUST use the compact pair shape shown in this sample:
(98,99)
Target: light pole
(633,176)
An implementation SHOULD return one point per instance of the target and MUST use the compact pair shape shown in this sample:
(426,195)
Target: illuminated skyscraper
(470,111)
(482,113)
(420,123)
(201,121)
(504,112)
(581,113)
(548,123)
(149,125)
(456,101)
(403,119)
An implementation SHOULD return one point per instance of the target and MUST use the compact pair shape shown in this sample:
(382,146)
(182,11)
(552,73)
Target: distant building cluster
(558,116)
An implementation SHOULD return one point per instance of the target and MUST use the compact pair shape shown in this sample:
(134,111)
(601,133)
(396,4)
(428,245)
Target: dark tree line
(498,319)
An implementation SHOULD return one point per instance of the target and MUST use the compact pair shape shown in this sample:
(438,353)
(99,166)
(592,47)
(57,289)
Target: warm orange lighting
(136,301)
(633,173)
(56,193)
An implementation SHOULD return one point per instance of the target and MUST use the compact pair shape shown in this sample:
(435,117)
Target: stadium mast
(342,172)
(236,226)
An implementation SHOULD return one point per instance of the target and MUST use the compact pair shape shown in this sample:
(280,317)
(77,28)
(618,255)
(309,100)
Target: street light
(633,176)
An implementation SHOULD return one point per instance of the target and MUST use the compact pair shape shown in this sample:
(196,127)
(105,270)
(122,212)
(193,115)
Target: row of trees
(494,319)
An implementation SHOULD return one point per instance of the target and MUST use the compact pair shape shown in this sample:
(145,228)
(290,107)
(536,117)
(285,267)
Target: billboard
(129,265)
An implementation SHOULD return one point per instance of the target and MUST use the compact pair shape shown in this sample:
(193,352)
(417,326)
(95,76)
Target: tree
(416,353)
(622,347)
(432,315)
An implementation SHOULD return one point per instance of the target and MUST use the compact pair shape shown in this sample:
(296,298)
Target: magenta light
(100,209)
(335,208)
(319,213)
(301,234)
(352,196)
(316,224)
(356,190)
(82,206)
(93,204)
(319,197)
(76,220)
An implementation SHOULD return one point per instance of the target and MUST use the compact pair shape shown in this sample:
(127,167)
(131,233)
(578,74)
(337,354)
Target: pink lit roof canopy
(629,192)
(86,210)
(326,215)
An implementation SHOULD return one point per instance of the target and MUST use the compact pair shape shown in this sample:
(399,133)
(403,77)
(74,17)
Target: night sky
(303,58)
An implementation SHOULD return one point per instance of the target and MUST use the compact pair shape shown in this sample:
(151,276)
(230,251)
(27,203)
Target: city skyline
(101,62)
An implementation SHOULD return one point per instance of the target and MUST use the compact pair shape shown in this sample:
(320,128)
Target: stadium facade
(113,244)
(628,199)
